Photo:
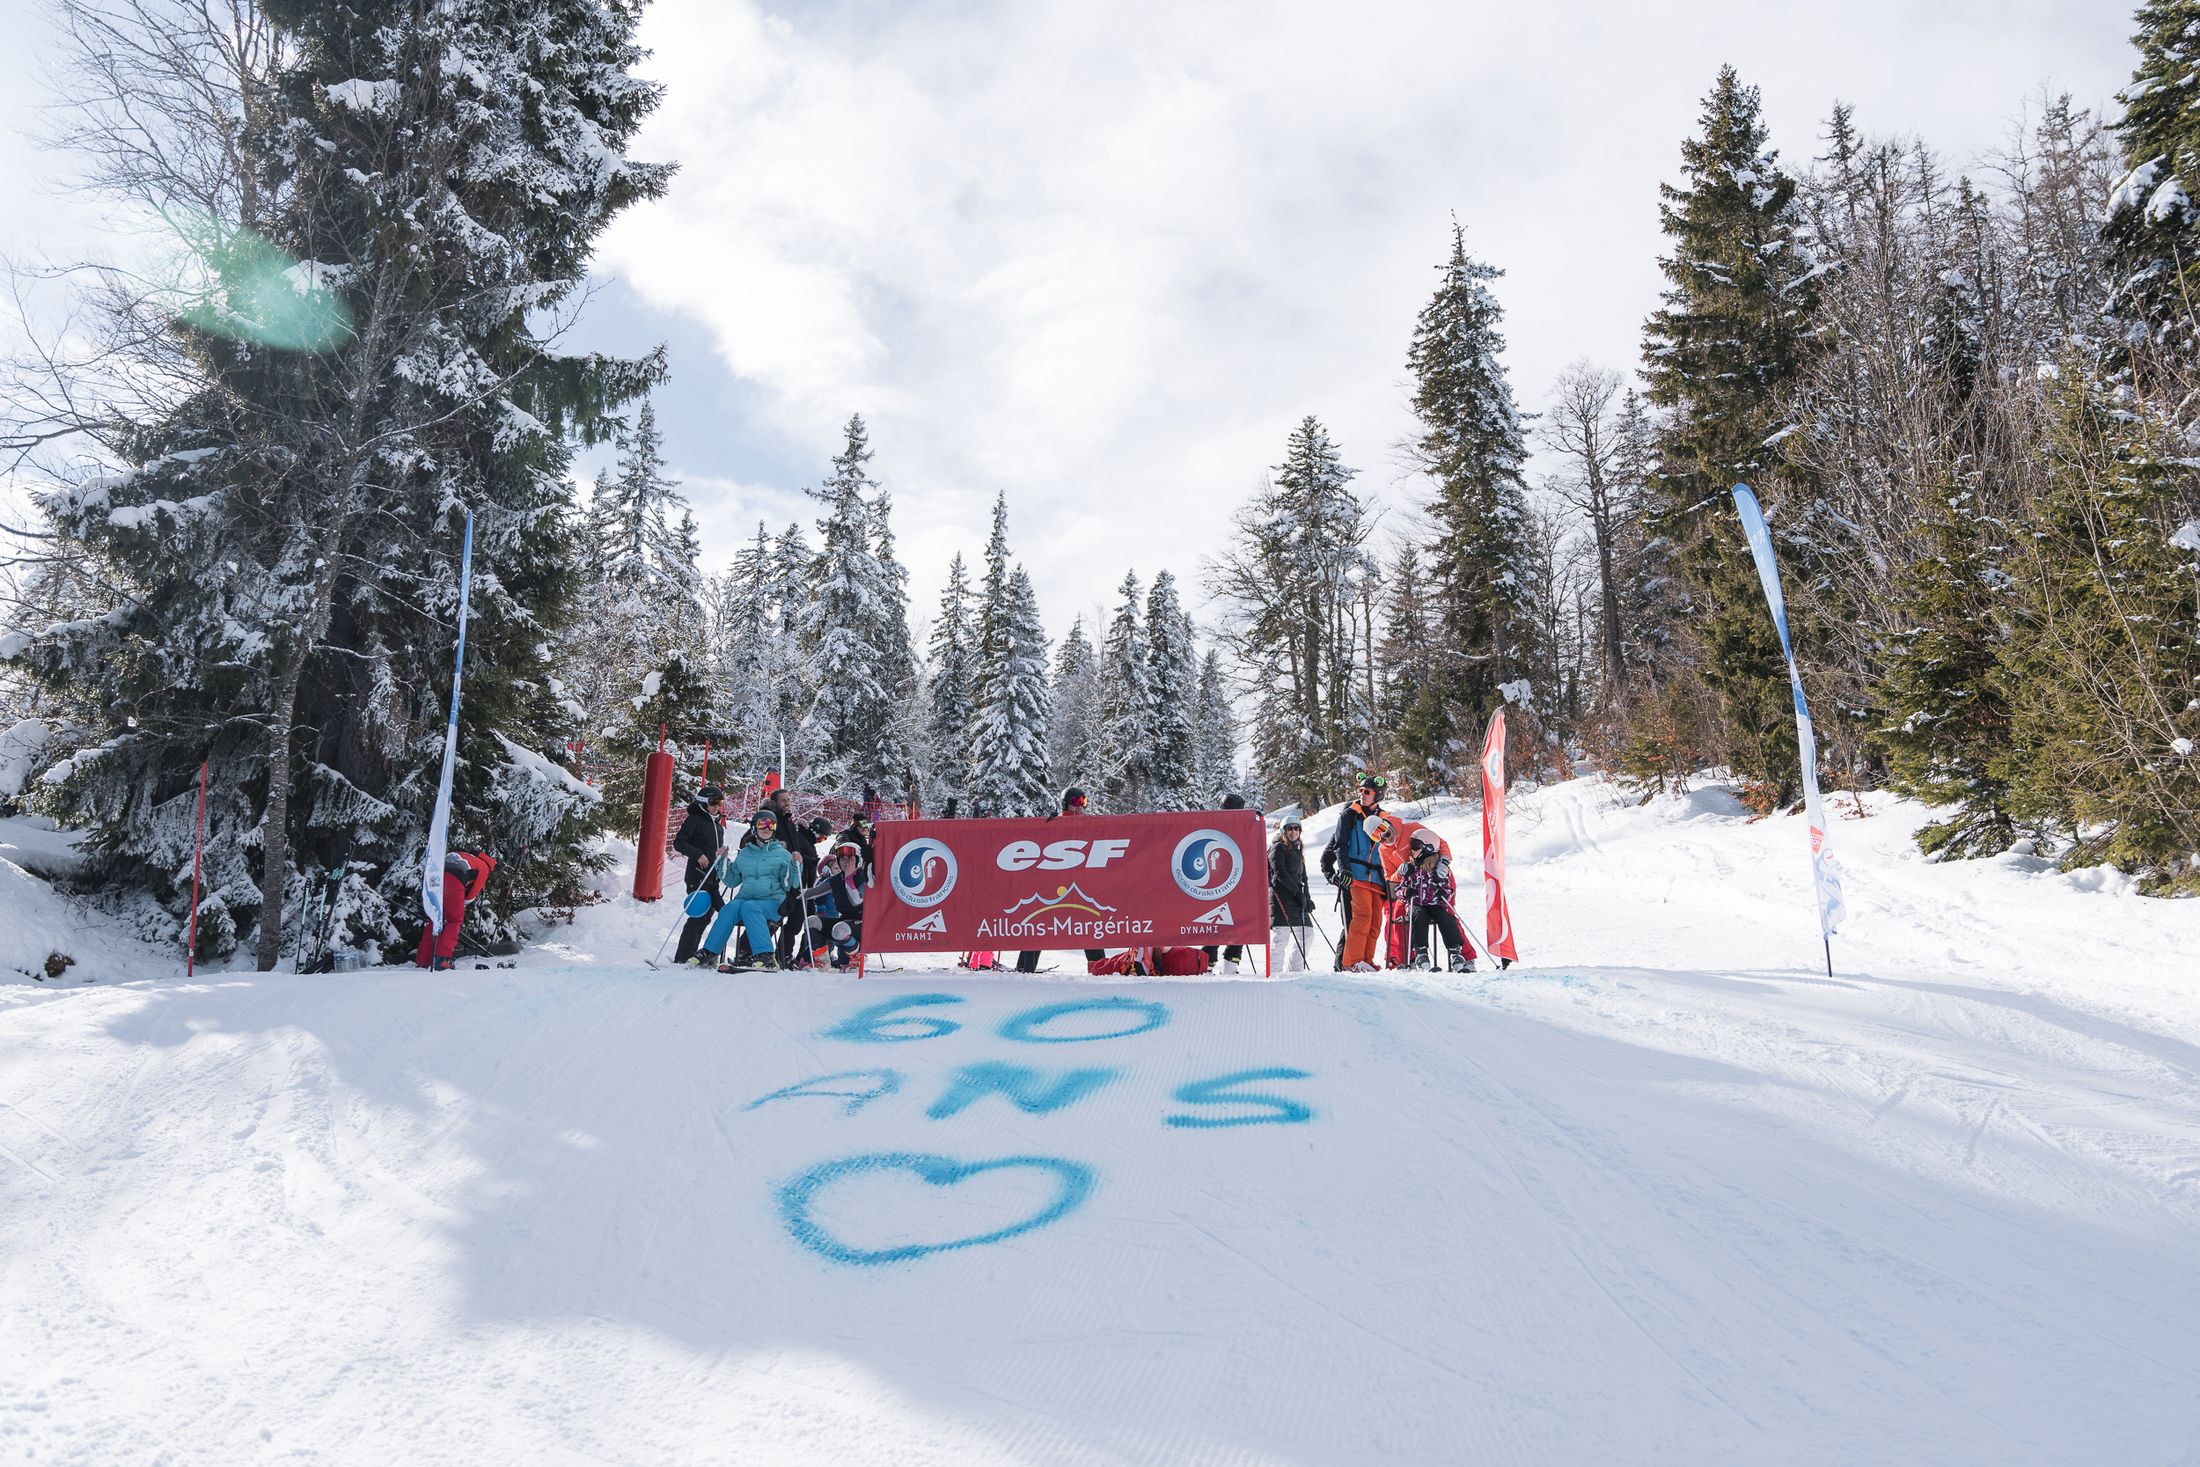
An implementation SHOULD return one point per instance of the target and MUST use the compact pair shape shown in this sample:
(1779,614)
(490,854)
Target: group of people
(1393,877)
(799,876)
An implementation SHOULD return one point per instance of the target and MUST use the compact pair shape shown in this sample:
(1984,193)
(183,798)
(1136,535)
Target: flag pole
(439,824)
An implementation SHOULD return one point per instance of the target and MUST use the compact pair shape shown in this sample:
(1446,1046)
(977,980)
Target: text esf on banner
(1073,881)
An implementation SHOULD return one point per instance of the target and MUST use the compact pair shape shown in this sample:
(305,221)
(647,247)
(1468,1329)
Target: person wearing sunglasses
(1353,863)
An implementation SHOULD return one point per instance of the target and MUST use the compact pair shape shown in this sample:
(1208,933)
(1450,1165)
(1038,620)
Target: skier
(464,875)
(861,835)
(1290,902)
(1235,951)
(762,874)
(1354,865)
(837,901)
(801,843)
(1432,895)
(1073,803)
(702,839)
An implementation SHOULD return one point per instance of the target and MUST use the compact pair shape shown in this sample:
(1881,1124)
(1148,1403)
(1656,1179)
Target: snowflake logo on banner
(1207,865)
(923,873)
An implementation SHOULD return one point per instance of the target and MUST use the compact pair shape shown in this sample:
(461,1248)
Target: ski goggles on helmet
(1074,802)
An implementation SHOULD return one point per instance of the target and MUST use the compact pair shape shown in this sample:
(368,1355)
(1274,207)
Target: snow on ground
(1664,1193)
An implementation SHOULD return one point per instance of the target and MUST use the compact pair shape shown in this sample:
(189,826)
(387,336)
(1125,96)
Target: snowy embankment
(1663,1193)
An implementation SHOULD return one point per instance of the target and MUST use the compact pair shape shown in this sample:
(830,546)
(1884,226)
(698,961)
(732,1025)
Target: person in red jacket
(464,875)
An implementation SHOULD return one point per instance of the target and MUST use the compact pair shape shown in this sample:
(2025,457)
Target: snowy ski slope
(1663,1194)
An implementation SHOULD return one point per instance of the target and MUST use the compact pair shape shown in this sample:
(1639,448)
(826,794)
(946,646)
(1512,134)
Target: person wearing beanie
(702,839)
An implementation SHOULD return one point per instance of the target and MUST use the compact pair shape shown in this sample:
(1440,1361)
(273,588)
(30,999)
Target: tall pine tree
(1073,736)
(1172,681)
(385,202)
(953,687)
(1013,774)
(1470,446)
(853,716)
(1719,356)
(2153,226)
(1124,773)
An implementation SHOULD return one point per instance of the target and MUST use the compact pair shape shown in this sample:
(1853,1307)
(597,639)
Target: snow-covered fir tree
(1073,734)
(1122,775)
(1470,446)
(1012,774)
(906,733)
(382,209)
(1215,737)
(1720,356)
(1292,583)
(952,685)
(845,626)
(753,659)
(1172,682)
(2153,221)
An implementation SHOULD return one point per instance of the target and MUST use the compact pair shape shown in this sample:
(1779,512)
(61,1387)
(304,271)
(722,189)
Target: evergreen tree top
(1470,424)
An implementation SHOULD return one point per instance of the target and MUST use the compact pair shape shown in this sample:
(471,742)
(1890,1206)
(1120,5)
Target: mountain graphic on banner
(1064,896)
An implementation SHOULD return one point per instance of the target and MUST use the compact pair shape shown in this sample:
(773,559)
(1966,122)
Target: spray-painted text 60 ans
(1208,1103)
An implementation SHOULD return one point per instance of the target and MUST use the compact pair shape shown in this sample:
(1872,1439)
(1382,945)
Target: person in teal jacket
(759,879)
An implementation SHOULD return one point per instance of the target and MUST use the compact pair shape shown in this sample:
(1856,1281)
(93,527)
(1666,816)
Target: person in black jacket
(1073,803)
(702,839)
(1229,956)
(860,835)
(800,839)
(1290,899)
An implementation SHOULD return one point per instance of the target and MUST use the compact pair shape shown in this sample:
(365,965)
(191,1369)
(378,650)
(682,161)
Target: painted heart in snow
(1073,1183)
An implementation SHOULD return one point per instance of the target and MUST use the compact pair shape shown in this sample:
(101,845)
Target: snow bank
(1664,1193)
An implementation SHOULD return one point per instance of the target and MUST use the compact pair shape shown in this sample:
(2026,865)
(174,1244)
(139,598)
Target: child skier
(761,877)
(1432,894)
(836,902)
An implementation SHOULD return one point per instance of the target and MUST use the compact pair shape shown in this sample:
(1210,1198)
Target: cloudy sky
(1102,257)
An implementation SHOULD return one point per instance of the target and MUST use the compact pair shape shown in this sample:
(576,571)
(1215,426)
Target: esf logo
(1060,855)
(923,872)
(1207,865)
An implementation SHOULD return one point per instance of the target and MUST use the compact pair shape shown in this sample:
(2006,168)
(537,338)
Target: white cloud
(1103,257)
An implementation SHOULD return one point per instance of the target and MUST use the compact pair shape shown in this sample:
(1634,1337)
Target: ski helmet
(848,848)
(765,816)
(1073,798)
(821,826)
(1424,839)
(1379,829)
(710,794)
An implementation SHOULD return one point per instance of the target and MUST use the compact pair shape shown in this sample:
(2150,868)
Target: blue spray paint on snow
(1218,1091)
(877,1024)
(889,1081)
(1073,1180)
(1023,1028)
(1030,1089)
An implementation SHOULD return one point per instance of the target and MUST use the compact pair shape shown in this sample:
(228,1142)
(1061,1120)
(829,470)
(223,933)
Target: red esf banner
(1075,881)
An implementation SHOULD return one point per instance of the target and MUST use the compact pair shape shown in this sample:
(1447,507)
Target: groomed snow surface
(1662,1194)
